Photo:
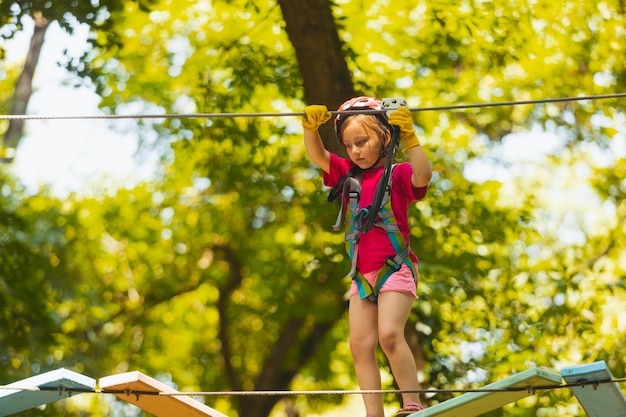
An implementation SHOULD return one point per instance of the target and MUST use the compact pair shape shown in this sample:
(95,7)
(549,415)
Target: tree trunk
(276,374)
(24,85)
(327,80)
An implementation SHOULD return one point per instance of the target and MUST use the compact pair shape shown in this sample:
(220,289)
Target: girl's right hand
(315,116)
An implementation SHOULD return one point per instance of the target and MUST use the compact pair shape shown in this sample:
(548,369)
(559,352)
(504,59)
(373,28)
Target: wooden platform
(15,401)
(477,403)
(158,405)
(598,400)
(603,399)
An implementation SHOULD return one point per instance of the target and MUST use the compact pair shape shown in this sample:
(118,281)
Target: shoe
(408,409)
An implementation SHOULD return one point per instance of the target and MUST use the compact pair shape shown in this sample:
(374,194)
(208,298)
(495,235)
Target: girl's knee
(362,346)
(390,340)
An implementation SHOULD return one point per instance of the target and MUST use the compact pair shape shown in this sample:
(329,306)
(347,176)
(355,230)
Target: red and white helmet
(356,103)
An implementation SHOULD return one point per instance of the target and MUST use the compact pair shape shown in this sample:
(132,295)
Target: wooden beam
(158,405)
(477,403)
(14,401)
(598,400)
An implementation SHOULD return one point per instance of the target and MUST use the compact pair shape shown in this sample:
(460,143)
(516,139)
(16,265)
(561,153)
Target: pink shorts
(401,281)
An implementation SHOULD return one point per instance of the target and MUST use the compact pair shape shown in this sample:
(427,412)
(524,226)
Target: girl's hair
(371,123)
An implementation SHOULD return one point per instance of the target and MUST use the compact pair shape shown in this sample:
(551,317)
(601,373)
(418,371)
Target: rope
(530,389)
(291,114)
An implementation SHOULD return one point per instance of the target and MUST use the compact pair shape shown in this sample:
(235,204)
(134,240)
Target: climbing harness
(361,220)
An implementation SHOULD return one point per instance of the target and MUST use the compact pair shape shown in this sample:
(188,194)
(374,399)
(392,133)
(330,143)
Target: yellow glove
(315,116)
(402,118)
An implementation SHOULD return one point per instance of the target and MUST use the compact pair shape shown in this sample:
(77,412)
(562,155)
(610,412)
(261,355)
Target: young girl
(376,314)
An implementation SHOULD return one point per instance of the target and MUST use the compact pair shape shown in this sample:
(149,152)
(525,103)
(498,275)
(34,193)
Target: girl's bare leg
(393,312)
(363,317)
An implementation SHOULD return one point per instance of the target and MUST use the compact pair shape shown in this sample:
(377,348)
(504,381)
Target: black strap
(365,218)
(338,188)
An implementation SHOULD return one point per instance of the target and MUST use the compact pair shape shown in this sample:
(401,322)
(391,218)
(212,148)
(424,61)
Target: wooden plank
(14,401)
(477,403)
(598,400)
(158,405)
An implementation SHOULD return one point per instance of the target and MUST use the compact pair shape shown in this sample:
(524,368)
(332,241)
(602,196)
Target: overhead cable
(286,114)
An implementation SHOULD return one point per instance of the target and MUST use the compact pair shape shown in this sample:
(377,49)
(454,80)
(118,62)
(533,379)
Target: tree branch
(24,84)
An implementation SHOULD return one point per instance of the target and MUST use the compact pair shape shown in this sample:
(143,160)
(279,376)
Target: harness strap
(392,264)
(379,213)
(385,220)
(352,232)
(350,185)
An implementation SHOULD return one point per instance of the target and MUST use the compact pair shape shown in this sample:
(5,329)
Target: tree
(43,13)
(189,256)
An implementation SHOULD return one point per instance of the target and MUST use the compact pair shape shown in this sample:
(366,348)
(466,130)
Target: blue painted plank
(599,400)
(474,404)
(14,401)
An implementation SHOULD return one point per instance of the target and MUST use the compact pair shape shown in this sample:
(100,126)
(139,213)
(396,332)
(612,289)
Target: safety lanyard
(365,218)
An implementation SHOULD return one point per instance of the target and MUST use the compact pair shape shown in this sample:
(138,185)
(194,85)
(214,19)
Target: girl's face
(362,143)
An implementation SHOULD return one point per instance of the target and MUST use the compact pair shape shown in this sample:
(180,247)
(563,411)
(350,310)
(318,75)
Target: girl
(377,313)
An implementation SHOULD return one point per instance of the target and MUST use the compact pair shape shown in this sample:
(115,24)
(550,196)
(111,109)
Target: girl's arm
(315,148)
(314,117)
(422,171)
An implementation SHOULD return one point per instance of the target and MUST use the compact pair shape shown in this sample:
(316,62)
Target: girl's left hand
(402,118)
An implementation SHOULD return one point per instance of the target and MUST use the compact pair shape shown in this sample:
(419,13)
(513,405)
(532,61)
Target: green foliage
(223,273)
(98,15)
(27,267)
